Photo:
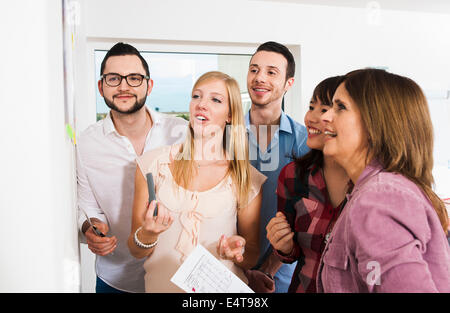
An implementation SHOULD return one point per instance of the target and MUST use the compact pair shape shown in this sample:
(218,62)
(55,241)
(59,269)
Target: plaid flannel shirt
(306,204)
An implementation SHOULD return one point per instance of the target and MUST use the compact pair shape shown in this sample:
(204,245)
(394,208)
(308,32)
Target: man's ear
(100,87)
(288,84)
(149,87)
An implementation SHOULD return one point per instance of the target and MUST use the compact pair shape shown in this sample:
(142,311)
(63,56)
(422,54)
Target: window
(440,113)
(174,74)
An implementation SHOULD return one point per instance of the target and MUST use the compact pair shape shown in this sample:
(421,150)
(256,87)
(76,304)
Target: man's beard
(276,94)
(136,107)
(260,104)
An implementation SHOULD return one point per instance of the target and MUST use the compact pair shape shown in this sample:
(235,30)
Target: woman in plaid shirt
(311,194)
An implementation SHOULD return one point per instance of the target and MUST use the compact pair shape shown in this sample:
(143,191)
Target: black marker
(96,231)
(151,192)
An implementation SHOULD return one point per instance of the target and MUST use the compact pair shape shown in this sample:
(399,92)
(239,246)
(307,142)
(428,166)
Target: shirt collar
(247,120)
(285,125)
(108,125)
(373,168)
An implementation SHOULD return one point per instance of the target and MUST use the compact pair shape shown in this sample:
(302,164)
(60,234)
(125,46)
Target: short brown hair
(120,49)
(272,46)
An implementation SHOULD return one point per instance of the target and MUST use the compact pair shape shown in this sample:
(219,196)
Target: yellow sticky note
(71,133)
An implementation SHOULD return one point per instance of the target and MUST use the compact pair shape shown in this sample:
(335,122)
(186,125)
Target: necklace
(327,236)
(334,218)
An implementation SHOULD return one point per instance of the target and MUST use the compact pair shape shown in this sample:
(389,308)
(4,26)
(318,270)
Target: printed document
(201,272)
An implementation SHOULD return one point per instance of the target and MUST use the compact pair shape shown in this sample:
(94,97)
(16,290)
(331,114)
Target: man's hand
(260,282)
(100,245)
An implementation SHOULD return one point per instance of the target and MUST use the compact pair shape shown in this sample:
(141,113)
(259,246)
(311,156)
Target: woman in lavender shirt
(391,236)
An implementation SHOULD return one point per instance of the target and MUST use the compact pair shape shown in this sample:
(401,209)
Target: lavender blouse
(387,239)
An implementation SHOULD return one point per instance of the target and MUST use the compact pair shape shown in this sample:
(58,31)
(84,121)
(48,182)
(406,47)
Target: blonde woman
(207,192)
(390,237)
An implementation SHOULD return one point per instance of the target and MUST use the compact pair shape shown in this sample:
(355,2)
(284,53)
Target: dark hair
(273,46)
(323,92)
(121,48)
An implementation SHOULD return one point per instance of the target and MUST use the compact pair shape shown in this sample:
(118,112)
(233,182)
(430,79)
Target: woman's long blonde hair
(395,113)
(234,143)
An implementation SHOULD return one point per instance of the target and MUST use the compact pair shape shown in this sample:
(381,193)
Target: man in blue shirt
(274,138)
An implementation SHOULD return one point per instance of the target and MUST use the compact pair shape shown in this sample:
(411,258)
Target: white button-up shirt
(105,174)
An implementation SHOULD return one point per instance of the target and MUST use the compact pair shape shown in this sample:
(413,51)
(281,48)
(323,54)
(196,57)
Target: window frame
(86,114)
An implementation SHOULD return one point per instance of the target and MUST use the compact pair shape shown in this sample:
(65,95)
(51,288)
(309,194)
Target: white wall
(39,250)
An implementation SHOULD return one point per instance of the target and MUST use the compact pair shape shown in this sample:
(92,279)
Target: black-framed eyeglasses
(133,79)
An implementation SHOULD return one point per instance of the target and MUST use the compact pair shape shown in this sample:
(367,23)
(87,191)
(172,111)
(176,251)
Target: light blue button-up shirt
(288,141)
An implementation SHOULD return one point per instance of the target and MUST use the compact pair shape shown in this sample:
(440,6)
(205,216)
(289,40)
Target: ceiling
(429,6)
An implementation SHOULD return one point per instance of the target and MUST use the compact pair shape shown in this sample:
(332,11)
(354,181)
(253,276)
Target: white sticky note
(201,272)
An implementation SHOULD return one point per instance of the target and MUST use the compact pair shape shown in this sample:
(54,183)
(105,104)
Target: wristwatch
(268,275)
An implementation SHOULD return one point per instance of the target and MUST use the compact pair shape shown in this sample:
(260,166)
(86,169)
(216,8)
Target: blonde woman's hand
(231,248)
(155,225)
(280,234)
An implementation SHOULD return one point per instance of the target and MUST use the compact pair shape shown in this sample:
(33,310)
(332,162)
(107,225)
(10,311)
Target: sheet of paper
(201,272)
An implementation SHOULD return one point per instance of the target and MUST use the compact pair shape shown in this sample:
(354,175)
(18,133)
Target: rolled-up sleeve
(86,200)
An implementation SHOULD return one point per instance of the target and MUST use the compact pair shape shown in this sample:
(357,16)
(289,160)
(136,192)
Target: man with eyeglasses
(106,153)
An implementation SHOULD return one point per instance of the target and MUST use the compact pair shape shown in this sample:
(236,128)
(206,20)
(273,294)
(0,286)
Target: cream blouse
(199,218)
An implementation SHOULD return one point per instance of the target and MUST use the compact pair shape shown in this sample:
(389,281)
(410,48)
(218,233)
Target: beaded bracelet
(142,245)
